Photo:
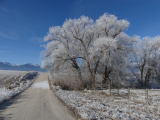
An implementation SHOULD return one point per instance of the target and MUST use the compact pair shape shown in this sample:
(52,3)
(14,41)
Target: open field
(98,105)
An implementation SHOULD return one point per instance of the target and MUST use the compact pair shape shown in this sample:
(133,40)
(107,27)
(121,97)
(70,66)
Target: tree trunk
(92,76)
(75,65)
(80,78)
(105,75)
(148,74)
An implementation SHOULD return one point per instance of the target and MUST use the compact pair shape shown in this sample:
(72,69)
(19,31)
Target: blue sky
(24,23)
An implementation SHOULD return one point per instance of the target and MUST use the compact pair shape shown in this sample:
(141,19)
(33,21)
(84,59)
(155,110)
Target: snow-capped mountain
(24,67)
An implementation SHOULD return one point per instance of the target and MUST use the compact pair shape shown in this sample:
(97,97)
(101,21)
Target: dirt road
(36,103)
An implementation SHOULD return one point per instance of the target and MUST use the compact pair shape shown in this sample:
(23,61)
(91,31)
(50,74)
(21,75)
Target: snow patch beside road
(43,85)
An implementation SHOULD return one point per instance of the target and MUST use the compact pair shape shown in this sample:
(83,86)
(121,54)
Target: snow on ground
(6,76)
(99,105)
(43,85)
(14,82)
(9,73)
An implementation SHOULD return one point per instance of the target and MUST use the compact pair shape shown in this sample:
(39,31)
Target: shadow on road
(6,104)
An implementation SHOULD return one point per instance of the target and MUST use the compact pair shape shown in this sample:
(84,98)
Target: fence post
(128,93)
(147,96)
(49,82)
(109,89)
(158,109)
(93,87)
(101,87)
(118,91)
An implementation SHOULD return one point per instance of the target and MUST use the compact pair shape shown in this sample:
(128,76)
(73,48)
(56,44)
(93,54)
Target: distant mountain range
(24,67)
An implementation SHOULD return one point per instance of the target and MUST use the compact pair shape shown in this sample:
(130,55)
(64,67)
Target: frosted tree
(110,45)
(69,43)
(100,46)
(145,60)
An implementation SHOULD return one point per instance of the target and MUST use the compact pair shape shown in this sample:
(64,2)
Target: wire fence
(148,96)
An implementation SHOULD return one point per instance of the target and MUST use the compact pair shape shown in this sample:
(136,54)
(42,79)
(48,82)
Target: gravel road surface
(36,103)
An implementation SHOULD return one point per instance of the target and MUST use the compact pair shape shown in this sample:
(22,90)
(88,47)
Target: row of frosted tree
(83,52)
